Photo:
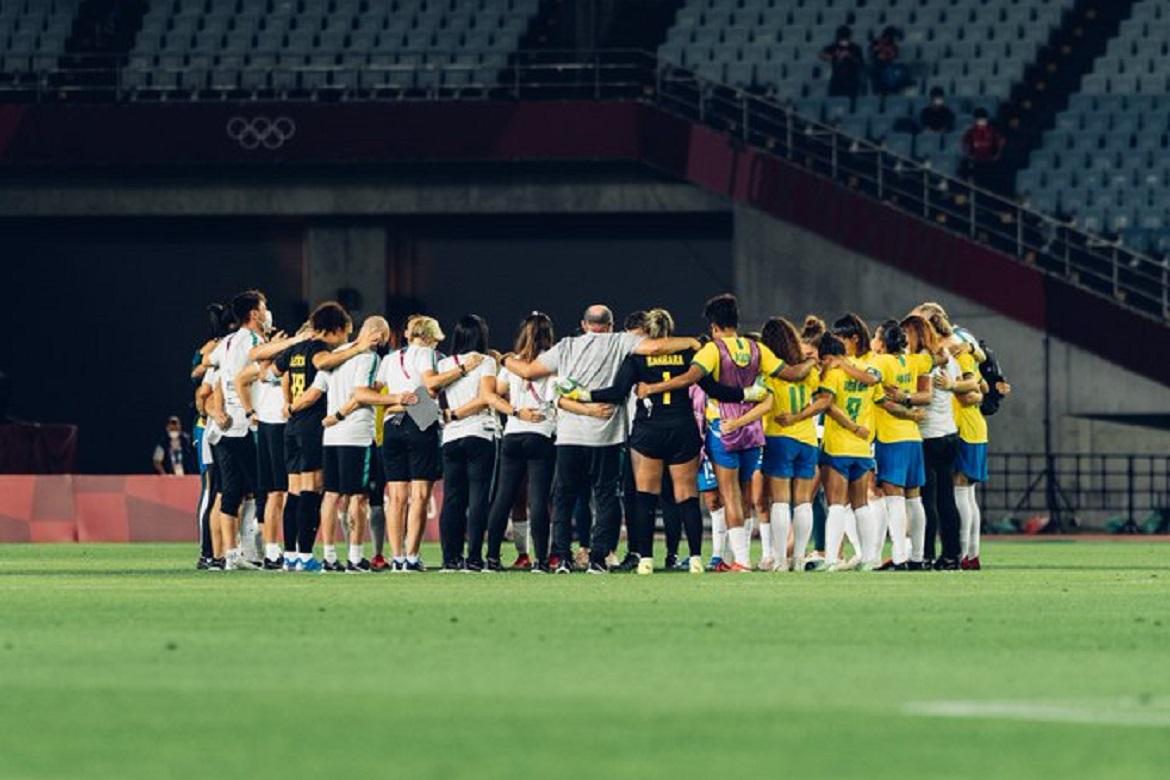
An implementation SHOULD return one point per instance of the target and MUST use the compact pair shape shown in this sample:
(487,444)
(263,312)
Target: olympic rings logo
(261,131)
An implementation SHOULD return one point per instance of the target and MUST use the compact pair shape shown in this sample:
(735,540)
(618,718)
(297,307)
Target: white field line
(1127,712)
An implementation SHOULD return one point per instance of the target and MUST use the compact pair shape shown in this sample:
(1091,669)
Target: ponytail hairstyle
(220,319)
(851,327)
(812,329)
(941,325)
(534,336)
(829,345)
(893,337)
(780,336)
(921,336)
(658,323)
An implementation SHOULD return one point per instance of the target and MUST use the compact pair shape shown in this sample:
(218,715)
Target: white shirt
(235,359)
(940,415)
(357,429)
(537,394)
(592,360)
(210,430)
(402,370)
(483,424)
(268,399)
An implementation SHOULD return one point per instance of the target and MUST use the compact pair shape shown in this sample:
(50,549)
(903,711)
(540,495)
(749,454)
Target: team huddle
(321,433)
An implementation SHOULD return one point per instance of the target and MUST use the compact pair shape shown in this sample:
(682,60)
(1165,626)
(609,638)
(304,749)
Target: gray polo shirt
(592,360)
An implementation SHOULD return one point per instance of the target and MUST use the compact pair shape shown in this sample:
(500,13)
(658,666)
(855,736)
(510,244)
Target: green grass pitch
(122,661)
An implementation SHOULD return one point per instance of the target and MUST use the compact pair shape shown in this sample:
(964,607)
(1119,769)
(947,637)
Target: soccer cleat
(333,566)
(203,564)
(217,564)
(450,567)
(522,562)
(695,565)
(628,564)
(973,564)
(597,568)
(887,565)
(554,562)
(361,567)
(492,566)
(397,566)
(414,566)
(379,563)
(277,565)
(313,566)
(714,564)
(867,566)
(815,564)
(472,567)
(239,563)
(563,567)
(645,565)
(739,568)
(767,564)
(946,564)
(915,566)
(540,567)
(853,563)
(721,568)
(671,562)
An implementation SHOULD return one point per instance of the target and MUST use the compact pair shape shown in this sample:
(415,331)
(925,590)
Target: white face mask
(174,434)
(267,323)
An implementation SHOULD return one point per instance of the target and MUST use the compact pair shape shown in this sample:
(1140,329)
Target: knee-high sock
(520,536)
(802,527)
(781,517)
(877,508)
(767,542)
(642,524)
(963,504)
(378,528)
(976,524)
(916,513)
(749,525)
(866,531)
(835,532)
(851,531)
(741,545)
(291,503)
(692,521)
(896,514)
(251,542)
(308,522)
(718,532)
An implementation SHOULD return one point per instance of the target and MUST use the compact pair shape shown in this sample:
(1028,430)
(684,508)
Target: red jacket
(982,144)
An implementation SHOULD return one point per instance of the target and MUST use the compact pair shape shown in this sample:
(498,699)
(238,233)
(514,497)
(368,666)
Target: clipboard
(425,413)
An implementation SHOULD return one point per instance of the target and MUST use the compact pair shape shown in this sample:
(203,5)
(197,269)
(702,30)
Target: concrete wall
(781,269)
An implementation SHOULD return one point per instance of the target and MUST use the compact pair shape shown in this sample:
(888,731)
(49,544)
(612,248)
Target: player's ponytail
(659,324)
(780,336)
(893,337)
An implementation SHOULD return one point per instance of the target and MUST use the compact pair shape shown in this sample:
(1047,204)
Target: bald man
(589,447)
(347,450)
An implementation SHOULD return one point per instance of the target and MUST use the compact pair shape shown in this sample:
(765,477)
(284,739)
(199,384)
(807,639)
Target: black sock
(291,502)
(692,520)
(672,524)
(643,522)
(308,521)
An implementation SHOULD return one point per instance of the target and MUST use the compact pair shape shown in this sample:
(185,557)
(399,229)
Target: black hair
(813,328)
(330,317)
(245,303)
(635,320)
(780,336)
(981,113)
(220,319)
(830,345)
(470,335)
(722,311)
(936,92)
(851,326)
(844,32)
(893,337)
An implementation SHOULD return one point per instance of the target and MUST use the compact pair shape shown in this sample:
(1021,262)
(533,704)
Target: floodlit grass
(122,661)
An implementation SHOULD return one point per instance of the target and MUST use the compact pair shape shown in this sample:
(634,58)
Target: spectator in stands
(937,117)
(174,453)
(846,59)
(889,75)
(983,146)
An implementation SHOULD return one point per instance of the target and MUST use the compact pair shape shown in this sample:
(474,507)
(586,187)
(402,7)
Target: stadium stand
(974,49)
(1104,163)
(293,47)
(32,36)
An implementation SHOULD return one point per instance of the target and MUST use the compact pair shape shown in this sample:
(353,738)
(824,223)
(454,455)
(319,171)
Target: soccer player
(971,466)
(411,455)
(664,437)
(349,432)
(298,364)
(236,451)
(588,447)
(737,362)
(901,469)
(469,446)
(527,448)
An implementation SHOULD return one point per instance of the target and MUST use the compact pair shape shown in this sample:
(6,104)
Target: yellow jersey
(739,347)
(901,371)
(791,398)
(972,424)
(857,400)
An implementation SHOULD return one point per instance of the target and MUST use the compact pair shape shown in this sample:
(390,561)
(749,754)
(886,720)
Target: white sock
(896,515)
(520,536)
(866,531)
(877,508)
(916,512)
(412,559)
(749,526)
(306,556)
(976,524)
(851,531)
(740,546)
(767,542)
(331,553)
(250,537)
(802,527)
(962,502)
(355,553)
(781,521)
(718,532)
(834,532)
(272,551)
(232,554)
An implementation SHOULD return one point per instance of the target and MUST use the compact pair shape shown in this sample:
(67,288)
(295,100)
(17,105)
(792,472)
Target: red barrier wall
(76,508)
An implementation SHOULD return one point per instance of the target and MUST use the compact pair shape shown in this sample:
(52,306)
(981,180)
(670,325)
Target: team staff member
(329,325)
(735,361)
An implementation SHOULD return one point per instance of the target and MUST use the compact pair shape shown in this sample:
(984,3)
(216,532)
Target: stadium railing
(1097,263)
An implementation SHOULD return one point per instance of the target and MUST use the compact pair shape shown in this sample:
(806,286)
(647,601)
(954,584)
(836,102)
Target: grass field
(122,661)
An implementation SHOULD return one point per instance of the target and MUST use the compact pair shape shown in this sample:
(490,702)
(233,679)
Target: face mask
(267,323)
(981,122)
(174,434)
(938,101)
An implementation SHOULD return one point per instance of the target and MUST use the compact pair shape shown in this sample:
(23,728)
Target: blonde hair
(658,323)
(423,328)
